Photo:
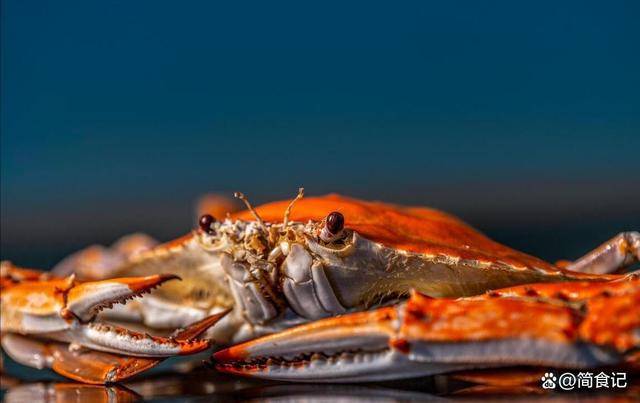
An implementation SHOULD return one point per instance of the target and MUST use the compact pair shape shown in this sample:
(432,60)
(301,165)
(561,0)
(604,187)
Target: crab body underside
(329,289)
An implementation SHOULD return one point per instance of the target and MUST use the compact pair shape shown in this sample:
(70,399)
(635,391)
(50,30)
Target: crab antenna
(287,212)
(242,197)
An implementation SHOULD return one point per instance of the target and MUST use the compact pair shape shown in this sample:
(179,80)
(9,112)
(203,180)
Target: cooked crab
(59,316)
(556,325)
(287,263)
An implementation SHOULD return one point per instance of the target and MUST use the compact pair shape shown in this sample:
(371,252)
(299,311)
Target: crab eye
(333,225)
(205,223)
(335,222)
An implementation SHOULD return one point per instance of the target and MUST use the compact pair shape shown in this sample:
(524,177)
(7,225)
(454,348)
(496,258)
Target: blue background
(521,117)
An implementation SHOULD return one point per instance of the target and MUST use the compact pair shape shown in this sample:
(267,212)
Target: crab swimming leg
(588,325)
(619,252)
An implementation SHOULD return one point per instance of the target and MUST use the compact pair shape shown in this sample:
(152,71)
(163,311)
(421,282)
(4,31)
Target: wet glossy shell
(413,229)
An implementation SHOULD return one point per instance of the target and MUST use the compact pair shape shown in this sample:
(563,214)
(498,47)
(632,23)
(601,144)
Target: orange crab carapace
(369,265)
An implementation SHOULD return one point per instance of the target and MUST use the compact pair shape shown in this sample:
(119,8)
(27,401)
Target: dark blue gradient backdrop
(522,117)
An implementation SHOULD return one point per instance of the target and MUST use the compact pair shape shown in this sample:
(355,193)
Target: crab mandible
(282,264)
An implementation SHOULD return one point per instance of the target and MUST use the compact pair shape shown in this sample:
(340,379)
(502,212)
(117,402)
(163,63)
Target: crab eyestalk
(333,226)
(205,222)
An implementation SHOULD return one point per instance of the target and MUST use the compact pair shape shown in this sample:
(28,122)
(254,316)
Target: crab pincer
(320,260)
(426,336)
(64,311)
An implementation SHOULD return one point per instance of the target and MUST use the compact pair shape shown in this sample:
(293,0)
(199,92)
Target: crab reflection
(205,384)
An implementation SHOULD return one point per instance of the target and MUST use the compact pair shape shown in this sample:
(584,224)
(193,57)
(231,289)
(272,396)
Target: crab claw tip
(235,353)
(143,284)
(187,348)
(197,328)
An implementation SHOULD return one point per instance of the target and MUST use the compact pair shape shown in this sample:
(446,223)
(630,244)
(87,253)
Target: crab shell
(386,251)
(425,249)
(383,253)
(419,230)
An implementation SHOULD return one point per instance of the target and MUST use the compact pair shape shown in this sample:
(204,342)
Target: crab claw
(115,339)
(426,336)
(87,299)
(349,348)
(119,340)
(91,366)
(63,310)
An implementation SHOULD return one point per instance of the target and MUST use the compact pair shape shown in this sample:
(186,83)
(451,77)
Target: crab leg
(426,336)
(617,253)
(86,365)
(63,310)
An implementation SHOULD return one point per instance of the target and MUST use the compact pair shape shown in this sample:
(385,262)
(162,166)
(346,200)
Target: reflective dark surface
(22,385)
